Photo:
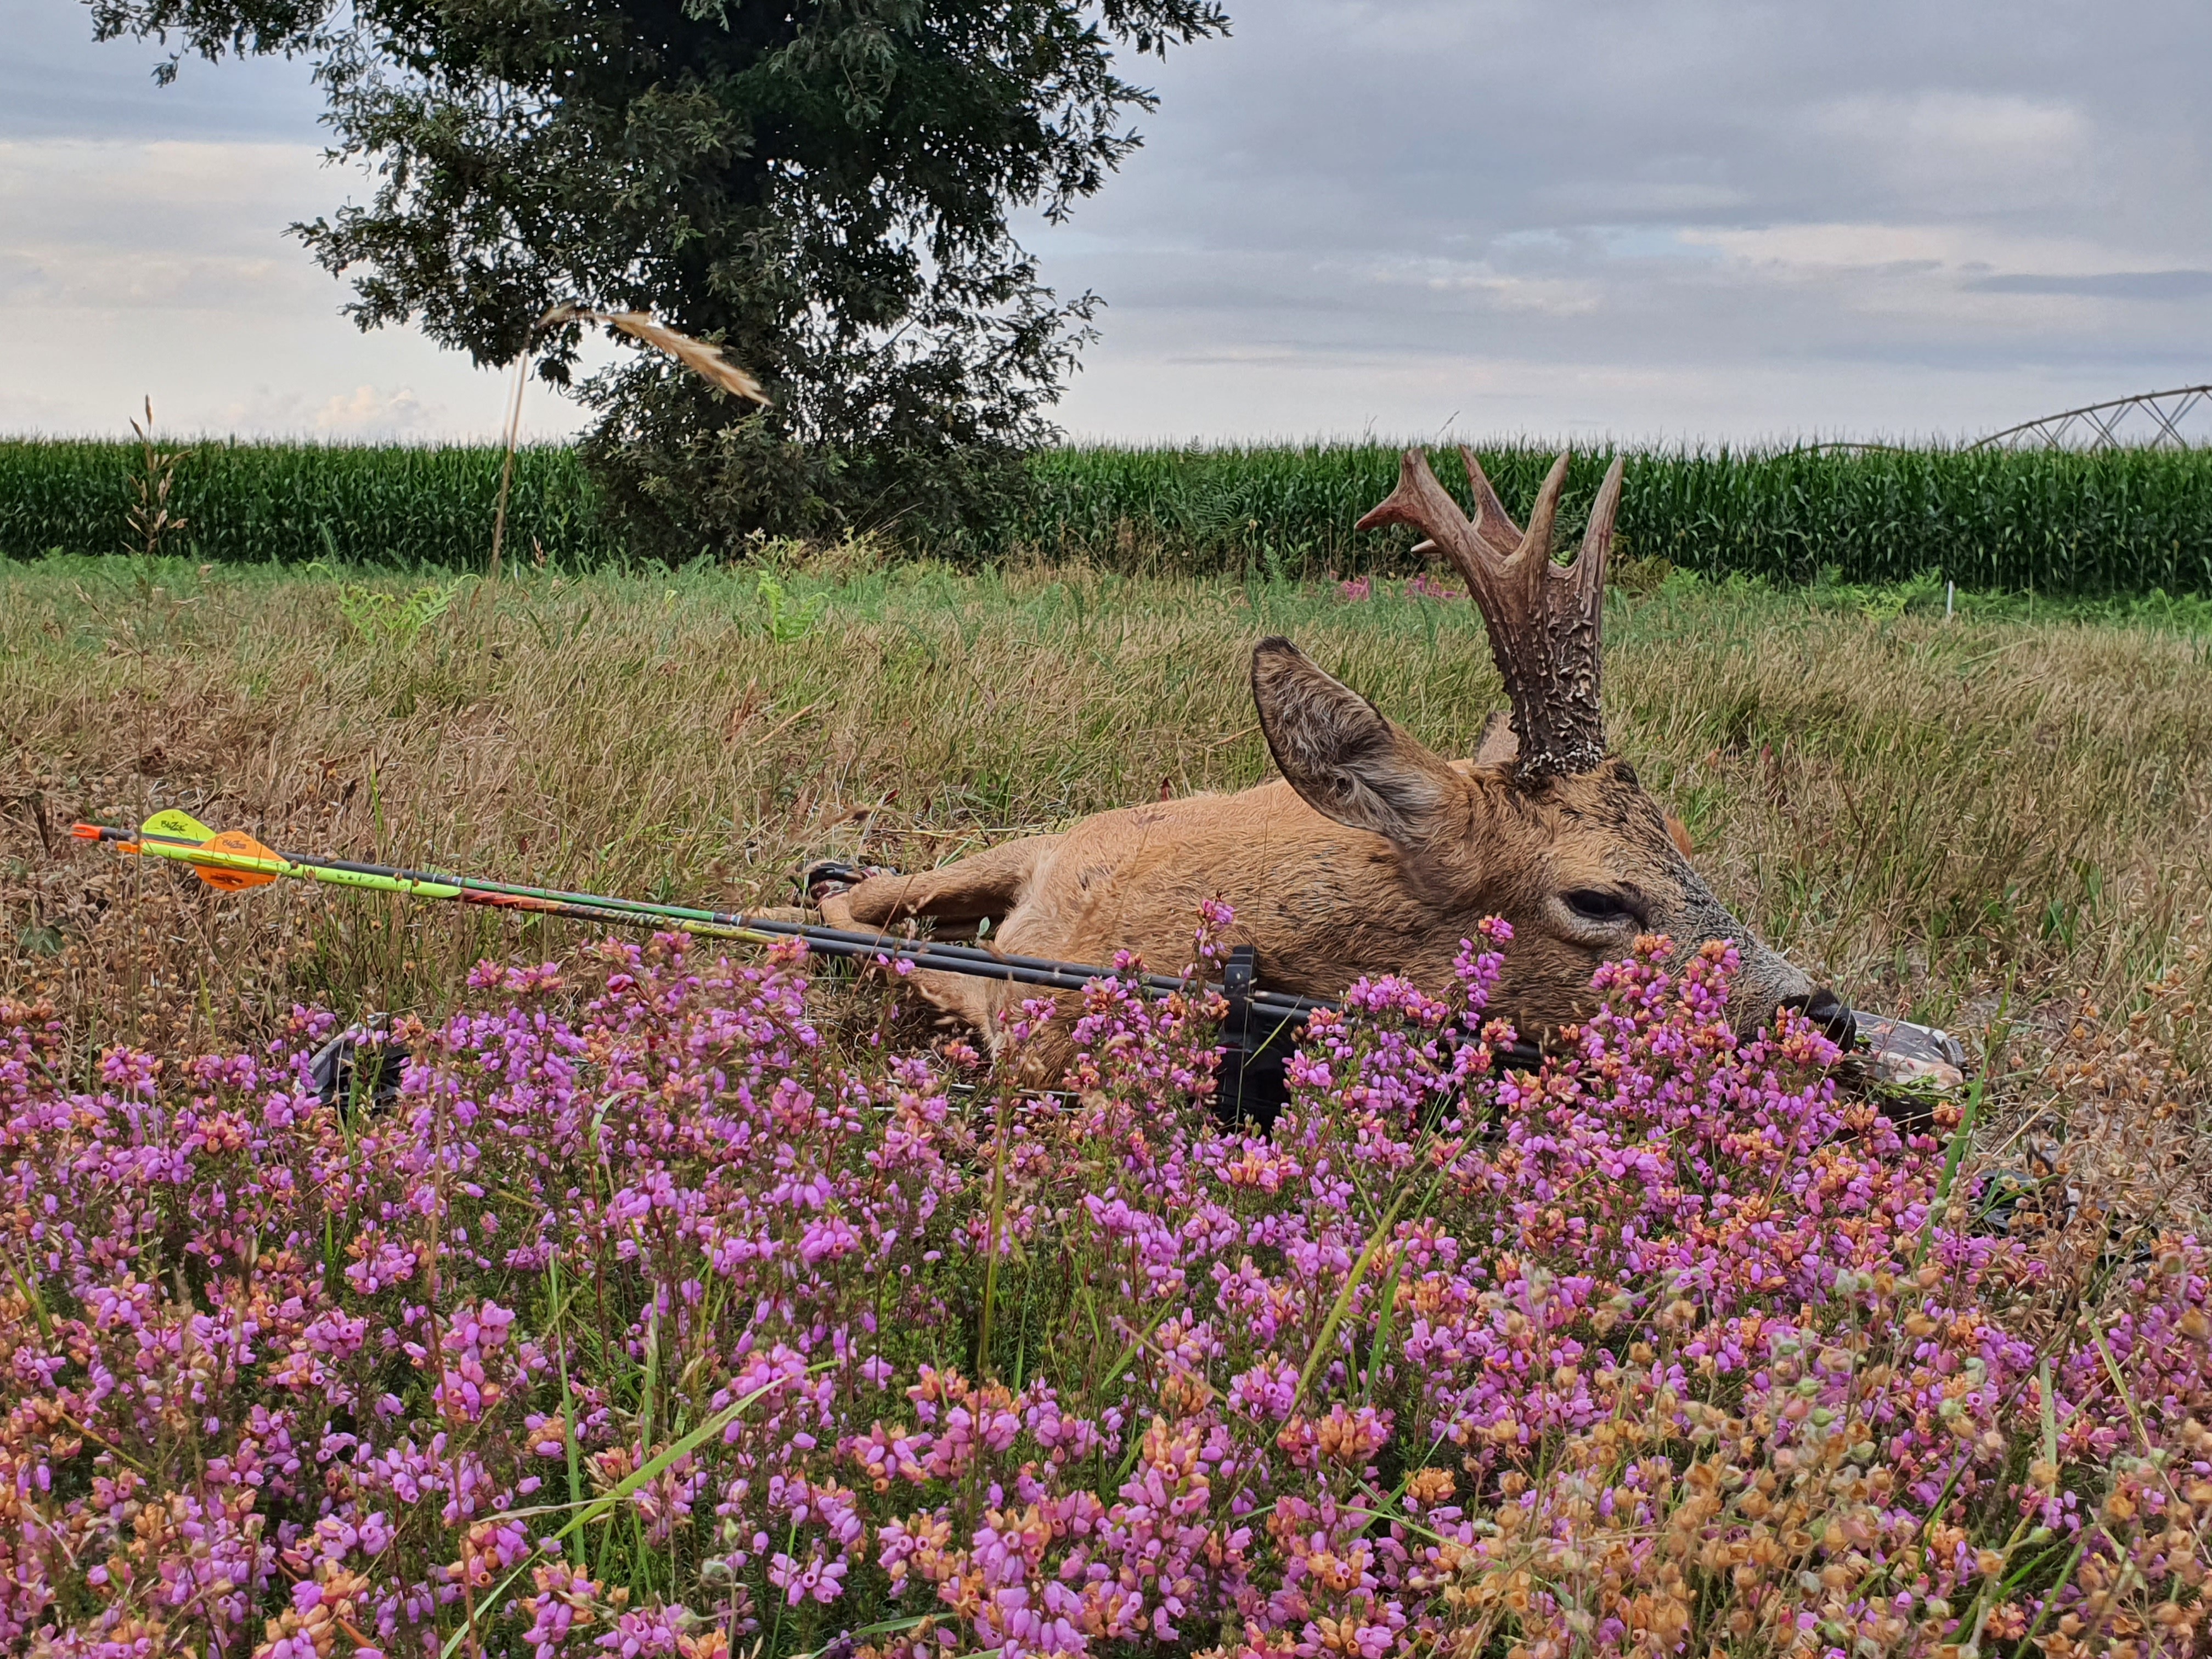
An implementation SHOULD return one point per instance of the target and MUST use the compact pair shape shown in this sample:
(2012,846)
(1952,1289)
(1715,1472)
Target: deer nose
(1825,1010)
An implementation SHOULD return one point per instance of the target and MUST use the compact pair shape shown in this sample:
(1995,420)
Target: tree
(824,187)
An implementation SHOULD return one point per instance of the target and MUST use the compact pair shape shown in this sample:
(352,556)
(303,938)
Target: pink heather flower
(816,1577)
(1304,1385)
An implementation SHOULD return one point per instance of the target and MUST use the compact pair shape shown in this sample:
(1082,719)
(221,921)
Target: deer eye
(1595,904)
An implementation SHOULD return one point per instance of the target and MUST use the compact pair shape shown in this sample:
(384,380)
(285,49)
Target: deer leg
(985,885)
(989,884)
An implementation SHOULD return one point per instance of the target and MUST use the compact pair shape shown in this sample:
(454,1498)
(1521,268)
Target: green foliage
(396,506)
(377,615)
(786,623)
(823,188)
(2133,525)
(2122,521)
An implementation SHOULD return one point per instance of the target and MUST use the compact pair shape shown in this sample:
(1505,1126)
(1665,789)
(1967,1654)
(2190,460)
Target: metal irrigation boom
(2052,429)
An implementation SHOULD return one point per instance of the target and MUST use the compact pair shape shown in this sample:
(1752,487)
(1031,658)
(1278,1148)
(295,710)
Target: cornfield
(2125,521)
(2121,522)
(396,506)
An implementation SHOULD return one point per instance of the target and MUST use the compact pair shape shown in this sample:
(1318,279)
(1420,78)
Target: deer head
(1543,826)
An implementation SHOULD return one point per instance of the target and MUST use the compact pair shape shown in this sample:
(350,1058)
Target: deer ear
(1343,757)
(1500,745)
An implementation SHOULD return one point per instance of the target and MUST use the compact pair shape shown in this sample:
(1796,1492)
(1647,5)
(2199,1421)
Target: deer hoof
(818,881)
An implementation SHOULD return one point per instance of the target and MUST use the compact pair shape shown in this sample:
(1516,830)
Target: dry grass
(1929,811)
(702,359)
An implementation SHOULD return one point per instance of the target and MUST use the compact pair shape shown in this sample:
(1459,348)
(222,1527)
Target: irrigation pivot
(2103,425)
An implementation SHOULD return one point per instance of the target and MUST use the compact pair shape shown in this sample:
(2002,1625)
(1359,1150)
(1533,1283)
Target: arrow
(232,861)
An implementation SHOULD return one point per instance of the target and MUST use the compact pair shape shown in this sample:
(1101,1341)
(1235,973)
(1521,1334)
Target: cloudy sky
(1674,220)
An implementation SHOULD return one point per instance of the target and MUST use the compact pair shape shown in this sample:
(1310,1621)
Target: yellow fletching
(174,825)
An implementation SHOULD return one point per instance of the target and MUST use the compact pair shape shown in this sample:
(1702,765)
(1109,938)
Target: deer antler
(1544,619)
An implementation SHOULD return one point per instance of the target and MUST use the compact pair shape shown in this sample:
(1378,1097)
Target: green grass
(2125,522)
(1925,808)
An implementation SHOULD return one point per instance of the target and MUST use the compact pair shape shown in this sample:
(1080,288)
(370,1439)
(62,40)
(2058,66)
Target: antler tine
(1492,521)
(1585,577)
(1537,538)
(1421,502)
(1543,621)
(1597,539)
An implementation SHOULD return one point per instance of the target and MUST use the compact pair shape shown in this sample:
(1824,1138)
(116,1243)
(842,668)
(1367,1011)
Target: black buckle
(1238,975)
(1250,1086)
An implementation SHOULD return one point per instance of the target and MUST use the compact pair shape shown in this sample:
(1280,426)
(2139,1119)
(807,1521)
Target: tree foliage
(824,186)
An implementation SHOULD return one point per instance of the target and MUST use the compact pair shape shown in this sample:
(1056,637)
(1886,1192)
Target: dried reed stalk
(506,466)
(700,358)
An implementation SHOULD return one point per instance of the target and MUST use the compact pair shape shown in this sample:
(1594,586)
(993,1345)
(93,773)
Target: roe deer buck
(1374,855)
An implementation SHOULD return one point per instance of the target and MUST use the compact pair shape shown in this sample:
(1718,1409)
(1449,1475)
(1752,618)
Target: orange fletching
(238,842)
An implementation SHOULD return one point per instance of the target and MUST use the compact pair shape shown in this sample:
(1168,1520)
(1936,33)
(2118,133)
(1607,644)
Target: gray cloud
(1679,218)
(2105,285)
(1815,206)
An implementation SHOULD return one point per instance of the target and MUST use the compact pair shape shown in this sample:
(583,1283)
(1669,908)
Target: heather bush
(648,1320)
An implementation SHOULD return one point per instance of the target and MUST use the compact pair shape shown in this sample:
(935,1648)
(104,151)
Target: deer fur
(1372,855)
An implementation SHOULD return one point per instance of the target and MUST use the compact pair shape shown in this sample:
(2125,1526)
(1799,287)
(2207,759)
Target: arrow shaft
(942,957)
(991,963)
